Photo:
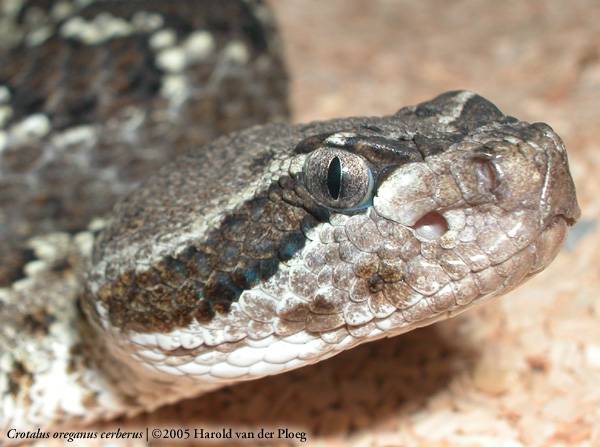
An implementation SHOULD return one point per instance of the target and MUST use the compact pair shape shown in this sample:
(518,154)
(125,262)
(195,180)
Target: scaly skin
(255,255)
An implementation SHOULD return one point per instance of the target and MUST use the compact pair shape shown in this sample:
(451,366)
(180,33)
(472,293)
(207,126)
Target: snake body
(276,247)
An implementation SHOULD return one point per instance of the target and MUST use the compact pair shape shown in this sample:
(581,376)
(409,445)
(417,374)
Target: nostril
(431,226)
(486,174)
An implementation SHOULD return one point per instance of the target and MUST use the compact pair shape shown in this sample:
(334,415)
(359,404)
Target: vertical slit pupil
(334,178)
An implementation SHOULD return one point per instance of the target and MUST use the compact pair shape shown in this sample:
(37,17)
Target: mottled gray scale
(302,282)
(324,322)
(293,308)
(453,265)
(401,295)
(14,258)
(488,280)
(359,290)
(361,330)
(442,300)
(474,112)
(428,146)
(392,270)
(380,305)
(92,113)
(328,301)
(366,265)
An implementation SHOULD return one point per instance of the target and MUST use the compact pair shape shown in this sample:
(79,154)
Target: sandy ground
(521,371)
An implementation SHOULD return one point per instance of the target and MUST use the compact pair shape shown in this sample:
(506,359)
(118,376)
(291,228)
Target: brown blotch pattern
(206,277)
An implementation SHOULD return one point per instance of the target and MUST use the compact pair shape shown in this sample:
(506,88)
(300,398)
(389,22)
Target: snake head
(280,245)
(444,204)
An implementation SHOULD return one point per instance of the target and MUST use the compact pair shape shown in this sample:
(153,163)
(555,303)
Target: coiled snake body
(266,250)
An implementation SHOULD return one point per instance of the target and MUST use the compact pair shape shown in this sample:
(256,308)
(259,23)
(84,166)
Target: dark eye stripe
(245,249)
(334,178)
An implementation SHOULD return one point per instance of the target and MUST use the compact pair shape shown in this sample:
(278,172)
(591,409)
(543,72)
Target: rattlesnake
(266,250)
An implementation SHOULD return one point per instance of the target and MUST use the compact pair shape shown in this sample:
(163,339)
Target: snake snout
(558,199)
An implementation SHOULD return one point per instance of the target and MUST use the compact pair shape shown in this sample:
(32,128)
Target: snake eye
(334,178)
(338,179)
